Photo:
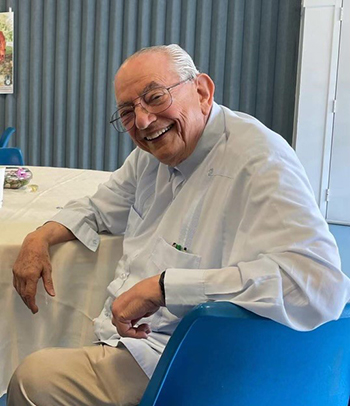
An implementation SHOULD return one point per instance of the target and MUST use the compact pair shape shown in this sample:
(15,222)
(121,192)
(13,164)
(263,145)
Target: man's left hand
(142,300)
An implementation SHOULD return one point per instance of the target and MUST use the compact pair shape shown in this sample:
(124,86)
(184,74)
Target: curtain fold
(67,52)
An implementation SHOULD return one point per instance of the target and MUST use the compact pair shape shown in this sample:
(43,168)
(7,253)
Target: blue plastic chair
(11,156)
(223,355)
(5,137)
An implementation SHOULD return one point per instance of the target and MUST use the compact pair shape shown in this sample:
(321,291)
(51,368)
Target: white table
(80,276)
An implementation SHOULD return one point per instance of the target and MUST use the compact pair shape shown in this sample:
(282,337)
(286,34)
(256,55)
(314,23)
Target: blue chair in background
(223,355)
(11,156)
(5,137)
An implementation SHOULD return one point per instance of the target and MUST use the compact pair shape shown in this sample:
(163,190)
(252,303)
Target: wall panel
(67,52)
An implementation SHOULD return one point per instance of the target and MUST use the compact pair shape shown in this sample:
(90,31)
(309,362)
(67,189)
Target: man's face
(171,136)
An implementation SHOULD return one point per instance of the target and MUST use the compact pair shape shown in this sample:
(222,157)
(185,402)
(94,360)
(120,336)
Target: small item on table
(17,177)
(33,188)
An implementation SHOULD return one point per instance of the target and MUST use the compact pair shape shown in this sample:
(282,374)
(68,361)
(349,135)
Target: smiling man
(169,118)
(213,206)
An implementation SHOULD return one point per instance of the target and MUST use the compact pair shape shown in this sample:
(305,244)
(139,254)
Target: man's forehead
(140,74)
(149,86)
(144,76)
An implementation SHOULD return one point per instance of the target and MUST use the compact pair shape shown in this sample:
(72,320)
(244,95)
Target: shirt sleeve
(290,267)
(105,211)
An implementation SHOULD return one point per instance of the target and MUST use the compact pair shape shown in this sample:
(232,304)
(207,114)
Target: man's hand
(142,300)
(33,262)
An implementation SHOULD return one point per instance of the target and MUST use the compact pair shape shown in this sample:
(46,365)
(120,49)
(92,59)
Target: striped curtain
(67,52)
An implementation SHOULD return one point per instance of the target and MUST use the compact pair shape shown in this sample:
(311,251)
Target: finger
(145,328)
(135,321)
(126,329)
(21,286)
(134,333)
(48,282)
(15,283)
(29,295)
(24,301)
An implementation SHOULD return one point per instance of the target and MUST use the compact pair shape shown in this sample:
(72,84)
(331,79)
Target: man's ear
(205,90)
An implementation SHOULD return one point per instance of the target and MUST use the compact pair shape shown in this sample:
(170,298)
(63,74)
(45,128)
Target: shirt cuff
(184,289)
(81,230)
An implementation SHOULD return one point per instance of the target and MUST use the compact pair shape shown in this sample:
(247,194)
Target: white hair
(181,60)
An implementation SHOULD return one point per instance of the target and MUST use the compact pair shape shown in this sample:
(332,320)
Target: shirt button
(210,172)
(123,276)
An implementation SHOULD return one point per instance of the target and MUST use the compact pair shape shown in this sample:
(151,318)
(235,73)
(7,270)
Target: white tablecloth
(80,276)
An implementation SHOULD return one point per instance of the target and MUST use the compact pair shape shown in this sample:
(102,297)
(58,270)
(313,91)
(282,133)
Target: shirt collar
(214,128)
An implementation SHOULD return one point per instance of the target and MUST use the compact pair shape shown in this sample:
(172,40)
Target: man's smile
(159,133)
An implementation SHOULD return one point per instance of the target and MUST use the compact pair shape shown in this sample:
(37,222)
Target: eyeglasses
(153,101)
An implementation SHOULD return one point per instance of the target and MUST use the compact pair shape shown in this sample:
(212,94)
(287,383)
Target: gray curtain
(67,52)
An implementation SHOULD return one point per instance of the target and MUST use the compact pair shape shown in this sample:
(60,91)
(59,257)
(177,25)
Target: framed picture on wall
(6,52)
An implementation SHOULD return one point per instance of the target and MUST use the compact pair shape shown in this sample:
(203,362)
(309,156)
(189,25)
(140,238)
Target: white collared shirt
(244,210)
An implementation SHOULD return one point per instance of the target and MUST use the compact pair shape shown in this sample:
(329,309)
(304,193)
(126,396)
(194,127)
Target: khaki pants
(89,376)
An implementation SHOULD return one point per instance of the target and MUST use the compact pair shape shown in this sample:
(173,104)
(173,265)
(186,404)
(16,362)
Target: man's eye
(155,97)
(125,113)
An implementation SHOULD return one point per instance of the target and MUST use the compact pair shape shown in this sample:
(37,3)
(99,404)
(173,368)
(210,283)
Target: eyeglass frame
(134,105)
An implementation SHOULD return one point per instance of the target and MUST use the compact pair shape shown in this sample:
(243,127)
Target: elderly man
(213,206)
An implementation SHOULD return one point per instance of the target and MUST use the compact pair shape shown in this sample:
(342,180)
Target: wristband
(161,284)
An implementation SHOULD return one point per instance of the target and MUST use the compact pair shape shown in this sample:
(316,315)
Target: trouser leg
(88,376)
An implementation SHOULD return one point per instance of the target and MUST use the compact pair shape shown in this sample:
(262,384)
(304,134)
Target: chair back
(11,156)
(5,137)
(222,355)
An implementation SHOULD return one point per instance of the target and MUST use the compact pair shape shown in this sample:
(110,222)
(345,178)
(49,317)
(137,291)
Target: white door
(316,89)
(338,210)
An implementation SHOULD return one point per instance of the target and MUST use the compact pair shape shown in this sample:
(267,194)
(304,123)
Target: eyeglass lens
(154,101)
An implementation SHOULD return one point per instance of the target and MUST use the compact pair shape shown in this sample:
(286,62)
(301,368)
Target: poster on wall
(6,52)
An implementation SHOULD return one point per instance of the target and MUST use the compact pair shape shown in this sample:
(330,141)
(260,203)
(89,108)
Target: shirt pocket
(165,256)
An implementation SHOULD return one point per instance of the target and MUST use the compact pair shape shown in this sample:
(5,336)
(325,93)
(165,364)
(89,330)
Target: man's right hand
(33,262)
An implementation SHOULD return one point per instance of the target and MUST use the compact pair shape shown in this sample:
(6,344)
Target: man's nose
(143,118)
